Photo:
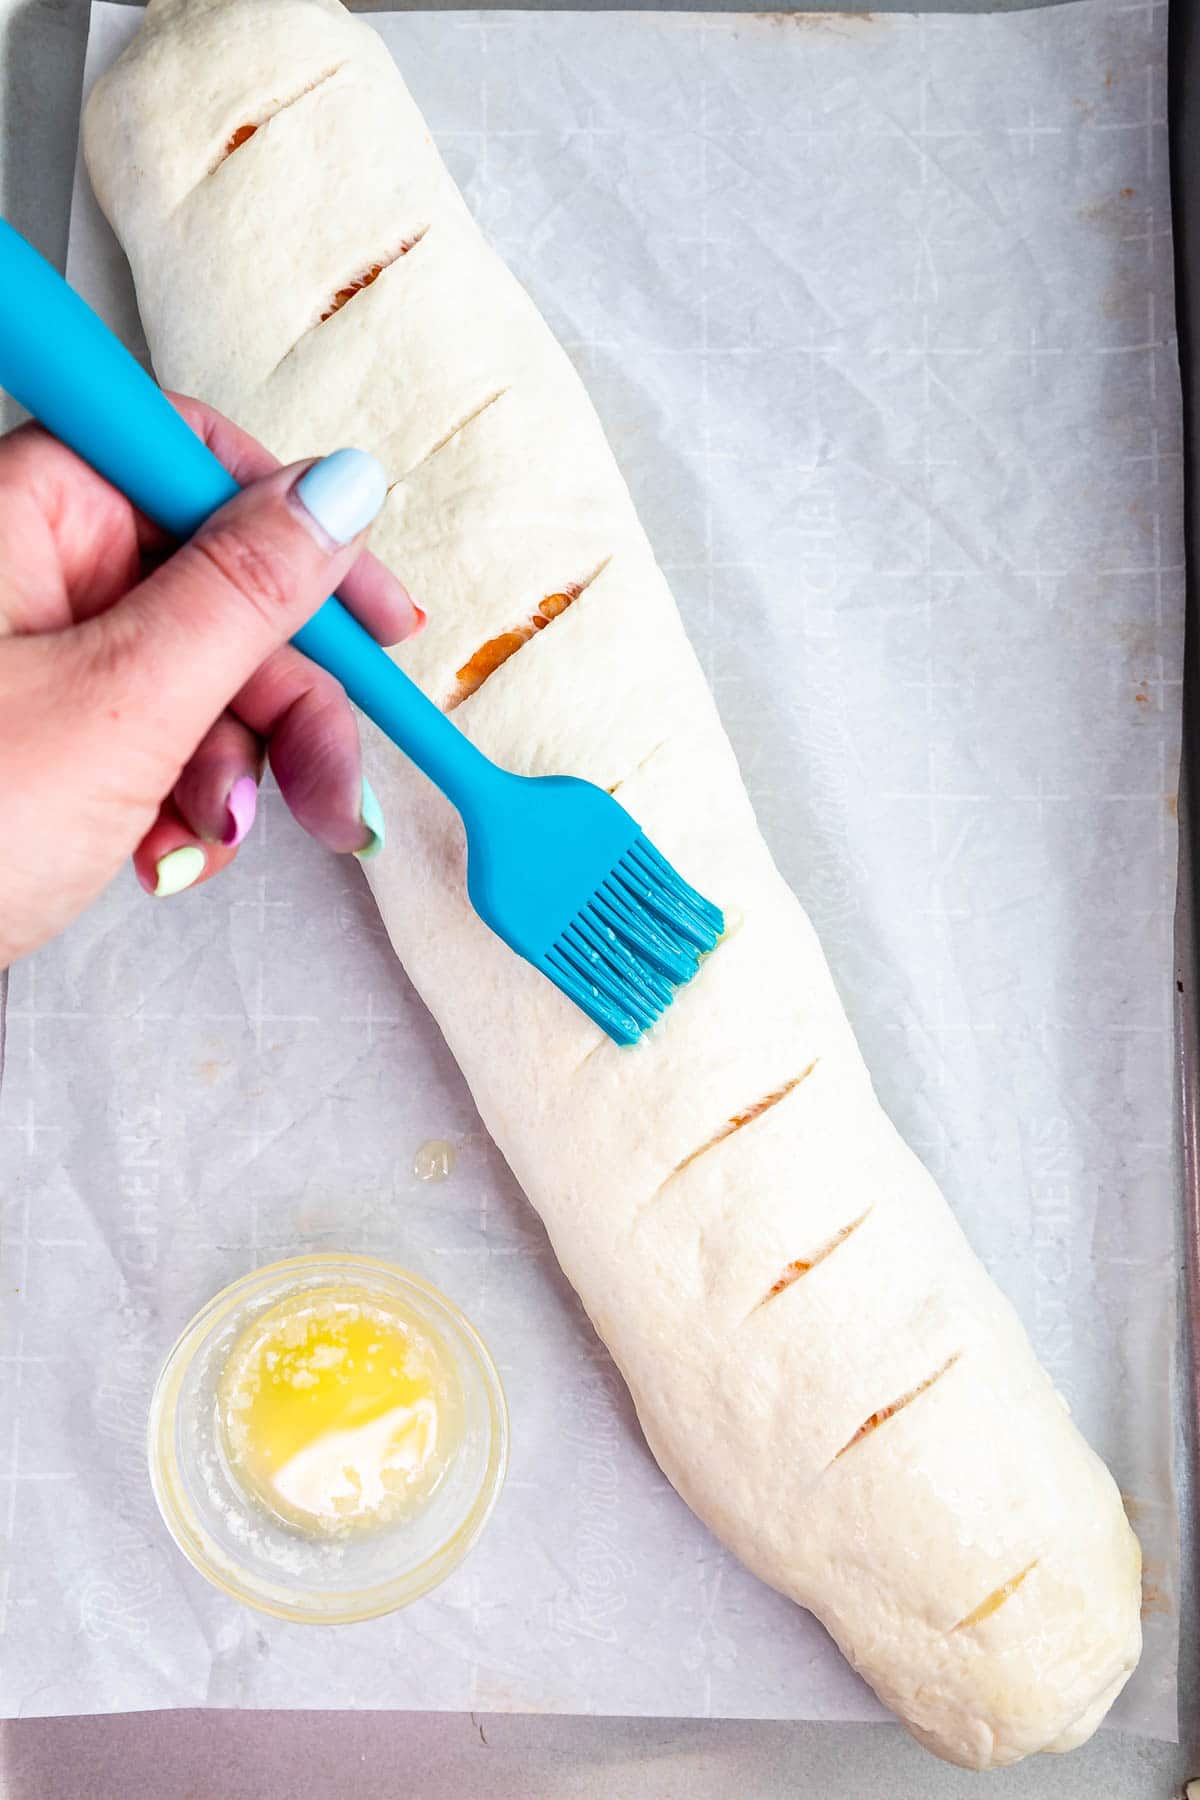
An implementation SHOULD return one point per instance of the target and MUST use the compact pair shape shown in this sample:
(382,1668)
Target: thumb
(180,645)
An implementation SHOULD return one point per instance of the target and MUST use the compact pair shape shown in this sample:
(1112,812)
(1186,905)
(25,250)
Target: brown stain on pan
(1157,1601)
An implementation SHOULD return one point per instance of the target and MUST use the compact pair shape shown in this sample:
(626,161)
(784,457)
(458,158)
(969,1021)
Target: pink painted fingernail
(241,805)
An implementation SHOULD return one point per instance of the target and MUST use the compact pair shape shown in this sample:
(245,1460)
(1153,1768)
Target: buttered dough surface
(820,1364)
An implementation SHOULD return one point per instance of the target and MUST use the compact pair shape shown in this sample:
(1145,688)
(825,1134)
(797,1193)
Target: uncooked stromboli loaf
(821,1366)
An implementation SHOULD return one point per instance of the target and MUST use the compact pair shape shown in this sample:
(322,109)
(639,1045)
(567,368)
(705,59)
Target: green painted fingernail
(371,814)
(177,870)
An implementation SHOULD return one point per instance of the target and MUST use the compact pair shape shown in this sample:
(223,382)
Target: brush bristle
(641,936)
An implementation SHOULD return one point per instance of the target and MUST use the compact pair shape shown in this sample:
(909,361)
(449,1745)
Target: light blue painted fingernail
(371,814)
(342,493)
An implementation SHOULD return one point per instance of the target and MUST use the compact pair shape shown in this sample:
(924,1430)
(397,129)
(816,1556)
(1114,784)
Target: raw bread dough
(820,1364)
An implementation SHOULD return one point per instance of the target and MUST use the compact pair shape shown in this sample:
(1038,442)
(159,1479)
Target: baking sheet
(877,312)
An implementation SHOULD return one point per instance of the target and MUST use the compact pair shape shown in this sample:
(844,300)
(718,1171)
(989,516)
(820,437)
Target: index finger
(377,598)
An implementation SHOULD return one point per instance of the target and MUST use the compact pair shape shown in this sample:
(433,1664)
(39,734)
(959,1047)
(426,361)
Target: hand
(140,688)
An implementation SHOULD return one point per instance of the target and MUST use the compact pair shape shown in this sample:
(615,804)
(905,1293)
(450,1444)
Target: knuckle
(100,686)
(316,736)
(112,675)
(108,655)
(112,659)
(259,571)
(323,699)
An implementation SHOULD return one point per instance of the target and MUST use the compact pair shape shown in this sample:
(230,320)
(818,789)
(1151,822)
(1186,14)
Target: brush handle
(64,365)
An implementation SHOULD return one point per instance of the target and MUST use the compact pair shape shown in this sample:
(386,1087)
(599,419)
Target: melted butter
(339,1412)
(434,1160)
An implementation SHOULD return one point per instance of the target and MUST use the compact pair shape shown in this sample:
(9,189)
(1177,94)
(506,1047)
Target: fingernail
(371,814)
(342,493)
(416,622)
(241,806)
(177,870)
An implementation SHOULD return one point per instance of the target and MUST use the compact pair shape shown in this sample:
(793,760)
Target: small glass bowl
(256,1558)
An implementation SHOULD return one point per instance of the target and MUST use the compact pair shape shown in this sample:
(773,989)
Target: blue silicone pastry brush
(555,866)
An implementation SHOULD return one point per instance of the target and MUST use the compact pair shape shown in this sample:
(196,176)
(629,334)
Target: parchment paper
(878,315)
